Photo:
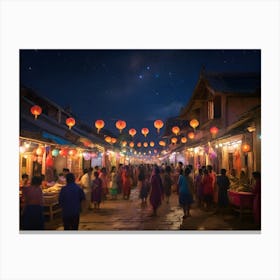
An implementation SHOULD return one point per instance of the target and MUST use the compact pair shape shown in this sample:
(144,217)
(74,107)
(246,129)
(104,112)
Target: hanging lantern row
(158,124)
(120,125)
(132,132)
(176,130)
(194,123)
(145,131)
(99,124)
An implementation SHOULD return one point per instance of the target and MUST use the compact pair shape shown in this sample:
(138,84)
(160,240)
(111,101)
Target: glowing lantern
(120,125)
(63,152)
(245,148)
(174,140)
(162,143)
(113,140)
(99,124)
(139,144)
(55,152)
(214,130)
(194,123)
(124,143)
(40,151)
(158,124)
(131,144)
(108,139)
(152,144)
(191,135)
(70,122)
(132,132)
(145,131)
(145,144)
(175,130)
(72,152)
(36,110)
(184,140)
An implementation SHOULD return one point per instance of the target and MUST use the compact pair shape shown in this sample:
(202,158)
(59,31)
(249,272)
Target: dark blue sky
(137,86)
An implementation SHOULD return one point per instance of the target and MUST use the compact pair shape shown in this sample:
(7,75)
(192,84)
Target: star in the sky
(29,68)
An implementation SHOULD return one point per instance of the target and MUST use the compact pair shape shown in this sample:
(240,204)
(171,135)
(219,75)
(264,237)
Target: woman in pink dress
(105,182)
(126,183)
(156,190)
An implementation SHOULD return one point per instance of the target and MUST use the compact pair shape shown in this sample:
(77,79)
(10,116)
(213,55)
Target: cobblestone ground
(130,215)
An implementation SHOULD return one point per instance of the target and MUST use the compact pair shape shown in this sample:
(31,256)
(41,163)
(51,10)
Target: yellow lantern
(194,123)
(175,130)
(120,125)
(108,139)
(124,143)
(70,122)
(152,144)
(145,131)
(132,132)
(162,143)
(99,124)
(158,124)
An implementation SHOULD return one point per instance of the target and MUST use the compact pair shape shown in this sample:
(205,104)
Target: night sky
(138,86)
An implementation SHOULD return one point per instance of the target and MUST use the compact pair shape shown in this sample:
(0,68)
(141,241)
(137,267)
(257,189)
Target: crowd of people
(155,184)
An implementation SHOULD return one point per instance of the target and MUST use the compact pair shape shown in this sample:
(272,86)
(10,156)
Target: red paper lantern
(245,148)
(214,130)
(191,135)
(99,124)
(158,124)
(132,132)
(174,140)
(113,140)
(139,144)
(70,122)
(175,130)
(36,111)
(145,131)
(120,125)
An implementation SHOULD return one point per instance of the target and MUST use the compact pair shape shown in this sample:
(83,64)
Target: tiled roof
(234,82)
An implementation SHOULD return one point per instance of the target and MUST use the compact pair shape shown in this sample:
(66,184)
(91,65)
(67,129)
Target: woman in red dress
(126,183)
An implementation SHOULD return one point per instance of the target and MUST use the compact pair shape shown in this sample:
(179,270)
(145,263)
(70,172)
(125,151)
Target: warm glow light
(214,130)
(145,131)
(245,148)
(40,151)
(124,143)
(72,152)
(175,130)
(139,144)
(184,140)
(152,144)
(36,110)
(63,152)
(194,123)
(113,140)
(145,144)
(132,132)
(70,122)
(55,152)
(120,125)
(162,143)
(22,149)
(108,139)
(158,124)
(174,140)
(191,135)
(99,124)
(131,144)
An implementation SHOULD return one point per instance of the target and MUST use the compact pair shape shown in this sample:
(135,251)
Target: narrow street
(130,215)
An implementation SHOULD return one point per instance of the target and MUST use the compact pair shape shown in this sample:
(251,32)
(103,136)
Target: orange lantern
(191,135)
(145,131)
(131,144)
(174,140)
(113,140)
(70,122)
(245,148)
(120,125)
(184,140)
(139,144)
(99,124)
(175,130)
(132,132)
(145,144)
(124,143)
(214,130)
(152,144)
(72,152)
(162,143)
(158,124)
(108,139)
(194,123)
(36,111)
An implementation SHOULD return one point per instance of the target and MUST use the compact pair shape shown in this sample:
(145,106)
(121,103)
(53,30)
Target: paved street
(130,215)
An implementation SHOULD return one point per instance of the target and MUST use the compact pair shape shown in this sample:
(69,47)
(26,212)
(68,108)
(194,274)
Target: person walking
(70,198)
(105,182)
(96,190)
(33,218)
(85,183)
(126,183)
(167,183)
(185,196)
(113,183)
(208,191)
(156,190)
(223,184)
(144,189)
